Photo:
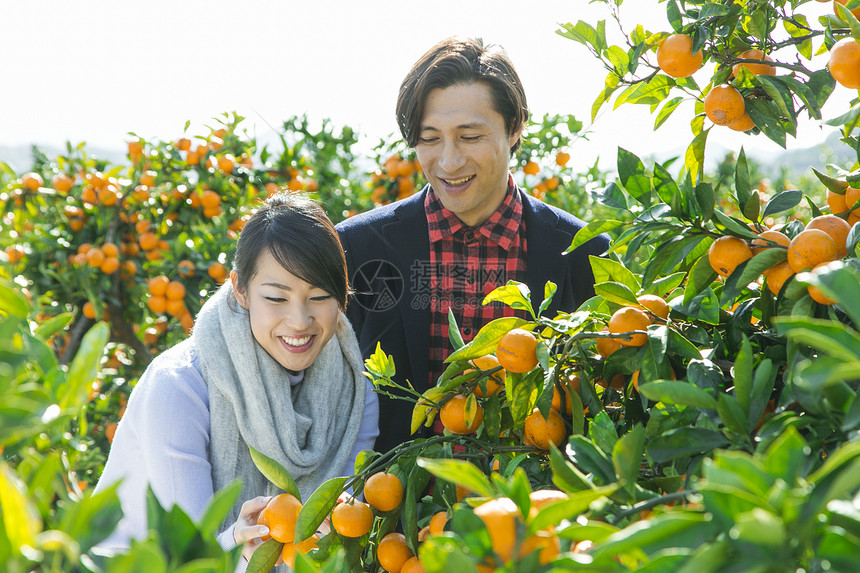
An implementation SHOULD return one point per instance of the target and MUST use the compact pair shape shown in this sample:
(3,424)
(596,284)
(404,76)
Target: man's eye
(427,140)
(471,137)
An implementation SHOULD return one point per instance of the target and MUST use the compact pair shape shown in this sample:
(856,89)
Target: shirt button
(467,331)
(470,279)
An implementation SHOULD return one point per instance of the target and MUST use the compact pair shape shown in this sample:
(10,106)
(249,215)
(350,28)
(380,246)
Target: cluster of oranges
(167,296)
(546,183)
(822,241)
(395,180)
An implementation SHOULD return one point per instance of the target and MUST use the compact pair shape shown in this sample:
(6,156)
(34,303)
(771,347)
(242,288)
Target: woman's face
(290,318)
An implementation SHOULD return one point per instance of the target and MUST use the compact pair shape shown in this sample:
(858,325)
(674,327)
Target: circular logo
(378,285)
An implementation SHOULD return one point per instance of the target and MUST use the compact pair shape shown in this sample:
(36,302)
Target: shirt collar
(500,227)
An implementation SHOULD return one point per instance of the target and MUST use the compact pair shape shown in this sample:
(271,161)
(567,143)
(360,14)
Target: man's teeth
(296,341)
(457,181)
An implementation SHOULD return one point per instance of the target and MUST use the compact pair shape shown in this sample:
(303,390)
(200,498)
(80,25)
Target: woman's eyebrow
(277,285)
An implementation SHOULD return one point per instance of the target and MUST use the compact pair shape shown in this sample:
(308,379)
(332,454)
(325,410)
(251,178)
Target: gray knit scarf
(309,428)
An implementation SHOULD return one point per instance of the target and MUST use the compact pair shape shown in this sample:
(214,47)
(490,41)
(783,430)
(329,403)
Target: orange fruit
(531,168)
(110,265)
(494,382)
(726,253)
(383,491)
(148,178)
(757,69)
(158,285)
(89,310)
(816,293)
(809,248)
(290,550)
(500,518)
(423,534)
(148,241)
(392,552)
(516,351)
(561,158)
(413,565)
(627,319)
(453,415)
(157,304)
(175,307)
(556,400)
(852,195)
(32,181)
(210,199)
(724,105)
(95,257)
(185,268)
(543,497)
(538,431)
(183,144)
(855,11)
(175,290)
(192,157)
(655,304)
(834,226)
(745,123)
(280,514)
(836,202)
(844,63)
(128,269)
(437,523)
(218,272)
(352,519)
(545,542)
(110,250)
(676,58)
(62,182)
(606,346)
(777,275)
(766,239)
(226,163)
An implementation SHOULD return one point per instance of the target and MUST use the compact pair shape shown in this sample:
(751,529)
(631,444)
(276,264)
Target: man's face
(464,150)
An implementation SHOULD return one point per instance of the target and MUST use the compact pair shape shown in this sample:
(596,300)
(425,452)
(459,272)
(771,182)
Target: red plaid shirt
(466,264)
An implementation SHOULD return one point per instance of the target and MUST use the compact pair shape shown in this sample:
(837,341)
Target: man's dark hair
(300,237)
(455,61)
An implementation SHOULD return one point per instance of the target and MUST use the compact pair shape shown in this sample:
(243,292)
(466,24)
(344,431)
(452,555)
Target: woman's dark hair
(456,61)
(302,239)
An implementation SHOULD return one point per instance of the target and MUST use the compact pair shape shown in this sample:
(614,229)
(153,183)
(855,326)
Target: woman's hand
(246,531)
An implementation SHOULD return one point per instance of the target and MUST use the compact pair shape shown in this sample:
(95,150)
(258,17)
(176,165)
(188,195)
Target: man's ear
(515,137)
(241,296)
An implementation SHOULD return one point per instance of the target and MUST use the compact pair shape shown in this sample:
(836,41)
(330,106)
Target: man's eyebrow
(473,125)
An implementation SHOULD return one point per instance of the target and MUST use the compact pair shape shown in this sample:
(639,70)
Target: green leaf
(585,34)
(454,331)
(605,270)
(841,281)
(54,325)
(487,339)
(787,456)
(20,517)
(578,503)
(846,15)
(275,473)
(732,415)
(627,455)
(380,363)
(565,475)
(591,459)
(679,393)
(829,337)
(684,442)
(700,277)
(12,302)
(460,472)
(265,557)
(734,226)
(602,432)
(619,59)
(663,530)
(666,111)
(514,294)
(318,506)
(85,366)
(694,157)
(783,201)
(834,185)
(615,292)
(706,198)
(593,229)
(549,290)
(221,504)
(631,172)
(743,375)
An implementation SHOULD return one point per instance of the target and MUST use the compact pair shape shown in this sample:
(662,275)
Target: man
(471,229)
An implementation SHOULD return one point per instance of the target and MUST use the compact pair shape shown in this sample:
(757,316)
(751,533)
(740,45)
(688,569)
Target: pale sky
(93,71)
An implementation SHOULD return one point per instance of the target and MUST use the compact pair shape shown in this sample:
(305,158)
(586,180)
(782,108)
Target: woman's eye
(274,299)
(321,298)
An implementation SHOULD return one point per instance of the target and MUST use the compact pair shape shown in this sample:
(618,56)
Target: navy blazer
(385,250)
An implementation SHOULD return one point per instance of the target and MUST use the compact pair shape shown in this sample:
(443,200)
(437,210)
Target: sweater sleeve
(369,429)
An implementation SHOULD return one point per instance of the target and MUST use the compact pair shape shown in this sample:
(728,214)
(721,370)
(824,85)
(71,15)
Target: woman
(272,363)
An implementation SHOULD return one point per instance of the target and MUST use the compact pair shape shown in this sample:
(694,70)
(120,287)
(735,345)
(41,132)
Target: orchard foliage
(793,85)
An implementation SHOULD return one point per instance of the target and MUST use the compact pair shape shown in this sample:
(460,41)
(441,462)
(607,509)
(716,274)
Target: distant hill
(20,157)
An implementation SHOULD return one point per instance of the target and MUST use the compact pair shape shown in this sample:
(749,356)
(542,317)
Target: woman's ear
(241,296)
